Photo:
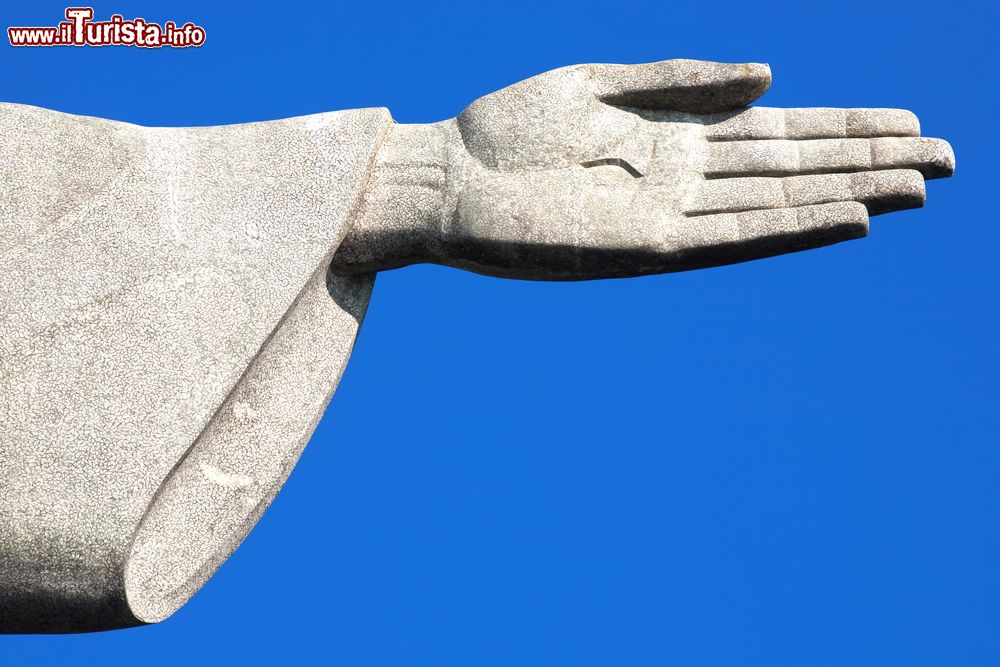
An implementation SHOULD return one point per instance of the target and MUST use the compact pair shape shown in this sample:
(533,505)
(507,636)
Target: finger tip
(934,158)
(949,158)
(942,160)
(909,123)
(757,77)
(889,191)
(836,221)
(855,220)
(913,190)
(760,71)
(850,219)
(879,122)
(898,122)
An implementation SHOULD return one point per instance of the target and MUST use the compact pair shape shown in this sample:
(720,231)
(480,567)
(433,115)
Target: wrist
(411,194)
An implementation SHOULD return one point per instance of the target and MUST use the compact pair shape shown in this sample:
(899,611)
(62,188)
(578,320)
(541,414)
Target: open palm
(617,170)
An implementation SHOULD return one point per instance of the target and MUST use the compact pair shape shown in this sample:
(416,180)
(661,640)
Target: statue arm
(597,171)
(170,333)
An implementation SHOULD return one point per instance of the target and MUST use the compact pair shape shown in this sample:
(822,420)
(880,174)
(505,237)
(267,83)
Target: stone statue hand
(596,171)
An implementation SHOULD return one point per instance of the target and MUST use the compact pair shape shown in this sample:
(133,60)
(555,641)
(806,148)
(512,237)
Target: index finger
(812,123)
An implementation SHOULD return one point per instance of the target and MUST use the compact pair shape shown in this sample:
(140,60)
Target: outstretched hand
(596,171)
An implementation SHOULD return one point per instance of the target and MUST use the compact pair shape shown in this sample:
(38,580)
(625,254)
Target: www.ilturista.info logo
(79,29)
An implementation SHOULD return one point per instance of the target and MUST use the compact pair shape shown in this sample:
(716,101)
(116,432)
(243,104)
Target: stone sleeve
(169,339)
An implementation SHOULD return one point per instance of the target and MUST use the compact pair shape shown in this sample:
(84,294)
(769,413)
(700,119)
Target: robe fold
(170,336)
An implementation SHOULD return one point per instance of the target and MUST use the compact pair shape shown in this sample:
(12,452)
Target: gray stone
(179,303)
(168,344)
(597,171)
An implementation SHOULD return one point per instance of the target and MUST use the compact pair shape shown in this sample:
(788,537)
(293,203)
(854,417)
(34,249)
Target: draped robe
(170,336)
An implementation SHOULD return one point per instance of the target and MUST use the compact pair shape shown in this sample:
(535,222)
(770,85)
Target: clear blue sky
(788,462)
